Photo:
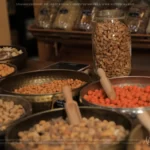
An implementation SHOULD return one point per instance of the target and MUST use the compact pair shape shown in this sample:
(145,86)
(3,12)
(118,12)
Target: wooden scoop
(71,107)
(144,118)
(106,84)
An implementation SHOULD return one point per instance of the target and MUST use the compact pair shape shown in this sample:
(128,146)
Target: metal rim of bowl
(137,110)
(27,113)
(15,46)
(13,73)
(24,73)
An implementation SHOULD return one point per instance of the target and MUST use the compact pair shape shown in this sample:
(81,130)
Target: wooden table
(140,65)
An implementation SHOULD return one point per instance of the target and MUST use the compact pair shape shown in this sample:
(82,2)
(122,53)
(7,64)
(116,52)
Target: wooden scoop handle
(144,118)
(106,84)
(71,107)
(67,93)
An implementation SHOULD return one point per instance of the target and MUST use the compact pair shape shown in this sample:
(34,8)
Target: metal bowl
(121,81)
(17,100)
(20,60)
(137,134)
(27,123)
(41,102)
(15,71)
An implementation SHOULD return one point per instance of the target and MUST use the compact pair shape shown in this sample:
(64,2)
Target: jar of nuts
(111,42)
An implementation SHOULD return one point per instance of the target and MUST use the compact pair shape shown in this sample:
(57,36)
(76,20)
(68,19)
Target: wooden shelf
(138,40)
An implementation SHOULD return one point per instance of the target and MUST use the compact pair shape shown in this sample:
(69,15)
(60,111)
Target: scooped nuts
(5,70)
(9,52)
(9,112)
(112,47)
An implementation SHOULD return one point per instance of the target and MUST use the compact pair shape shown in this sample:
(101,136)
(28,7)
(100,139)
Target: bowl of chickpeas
(98,129)
(7,70)
(12,109)
(44,88)
(15,55)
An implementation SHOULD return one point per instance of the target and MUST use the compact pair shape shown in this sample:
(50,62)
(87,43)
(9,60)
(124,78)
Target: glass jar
(111,43)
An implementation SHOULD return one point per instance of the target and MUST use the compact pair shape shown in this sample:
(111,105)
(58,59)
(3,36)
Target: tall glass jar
(111,42)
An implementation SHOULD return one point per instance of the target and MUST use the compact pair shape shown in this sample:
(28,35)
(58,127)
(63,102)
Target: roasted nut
(112,48)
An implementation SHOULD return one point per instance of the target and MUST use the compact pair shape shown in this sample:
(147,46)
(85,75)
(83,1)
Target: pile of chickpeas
(9,112)
(49,88)
(90,134)
(5,70)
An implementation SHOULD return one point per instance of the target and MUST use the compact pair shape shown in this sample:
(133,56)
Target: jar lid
(110,14)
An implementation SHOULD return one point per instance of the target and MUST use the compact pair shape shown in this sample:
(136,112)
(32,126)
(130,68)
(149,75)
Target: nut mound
(49,88)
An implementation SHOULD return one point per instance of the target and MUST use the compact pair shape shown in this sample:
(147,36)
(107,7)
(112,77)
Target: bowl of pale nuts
(139,139)
(44,88)
(15,55)
(7,70)
(98,129)
(12,109)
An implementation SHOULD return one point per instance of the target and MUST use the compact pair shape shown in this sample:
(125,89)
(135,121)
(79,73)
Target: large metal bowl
(121,81)
(27,123)
(42,102)
(20,60)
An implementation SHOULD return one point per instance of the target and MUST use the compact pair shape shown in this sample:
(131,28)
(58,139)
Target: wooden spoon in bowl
(106,84)
(71,107)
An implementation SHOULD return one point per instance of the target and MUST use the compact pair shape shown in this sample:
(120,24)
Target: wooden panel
(5,38)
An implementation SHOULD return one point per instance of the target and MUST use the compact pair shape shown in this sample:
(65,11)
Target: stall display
(111,42)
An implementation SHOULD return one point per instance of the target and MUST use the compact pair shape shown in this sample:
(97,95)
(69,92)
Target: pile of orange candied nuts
(49,88)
